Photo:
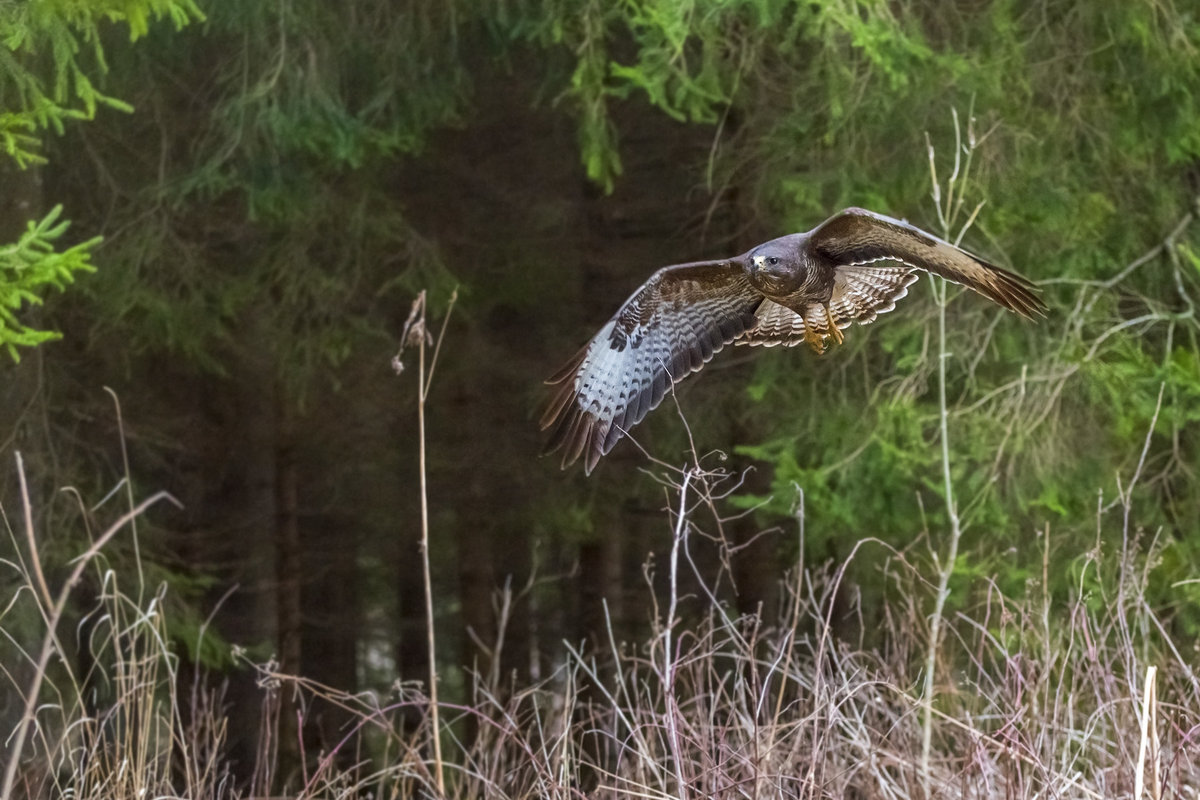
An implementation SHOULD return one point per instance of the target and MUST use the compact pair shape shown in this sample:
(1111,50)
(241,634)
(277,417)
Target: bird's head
(776,267)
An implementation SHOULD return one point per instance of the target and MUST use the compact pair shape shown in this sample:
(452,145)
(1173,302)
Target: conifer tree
(51,60)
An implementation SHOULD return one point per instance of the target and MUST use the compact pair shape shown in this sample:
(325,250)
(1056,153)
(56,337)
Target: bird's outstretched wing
(857,237)
(667,330)
(860,294)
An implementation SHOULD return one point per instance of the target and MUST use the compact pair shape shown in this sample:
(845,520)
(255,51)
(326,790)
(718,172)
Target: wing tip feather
(1015,292)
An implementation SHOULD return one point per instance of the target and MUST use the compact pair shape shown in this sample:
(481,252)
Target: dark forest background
(274,182)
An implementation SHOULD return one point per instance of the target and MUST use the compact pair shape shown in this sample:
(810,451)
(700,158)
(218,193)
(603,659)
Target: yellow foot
(815,340)
(834,331)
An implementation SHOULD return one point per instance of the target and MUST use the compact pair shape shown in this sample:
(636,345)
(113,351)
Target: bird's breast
(773,281)
(779,282)
(806,287)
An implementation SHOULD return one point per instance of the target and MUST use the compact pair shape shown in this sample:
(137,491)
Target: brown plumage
(801,287)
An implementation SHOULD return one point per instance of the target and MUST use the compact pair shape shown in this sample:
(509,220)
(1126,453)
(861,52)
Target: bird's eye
(772,260)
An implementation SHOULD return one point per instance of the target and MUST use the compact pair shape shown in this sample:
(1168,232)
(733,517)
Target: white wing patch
(627,368)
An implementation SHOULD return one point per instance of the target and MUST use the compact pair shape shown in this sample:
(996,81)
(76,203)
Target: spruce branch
(27,268)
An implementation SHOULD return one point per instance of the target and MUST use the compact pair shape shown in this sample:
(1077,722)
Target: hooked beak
(762,266)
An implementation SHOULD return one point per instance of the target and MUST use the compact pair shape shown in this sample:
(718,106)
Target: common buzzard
(801,287)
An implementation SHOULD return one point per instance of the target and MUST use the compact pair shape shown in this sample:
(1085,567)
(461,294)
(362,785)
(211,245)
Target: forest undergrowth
(1034,697)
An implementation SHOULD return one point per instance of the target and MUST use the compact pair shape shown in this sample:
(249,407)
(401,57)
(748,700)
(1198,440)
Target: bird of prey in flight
(804,287)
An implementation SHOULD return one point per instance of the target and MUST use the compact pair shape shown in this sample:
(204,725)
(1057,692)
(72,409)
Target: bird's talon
(834,331)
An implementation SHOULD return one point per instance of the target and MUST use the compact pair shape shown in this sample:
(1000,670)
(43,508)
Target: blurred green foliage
(1086,120)
(29,265)
(267,219)
(50,58)
(308,104)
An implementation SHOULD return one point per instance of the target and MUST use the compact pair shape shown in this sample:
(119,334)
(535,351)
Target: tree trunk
(412,653)
(234,534)
(331,623)
(476,579)
(287,590)
(600,592)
